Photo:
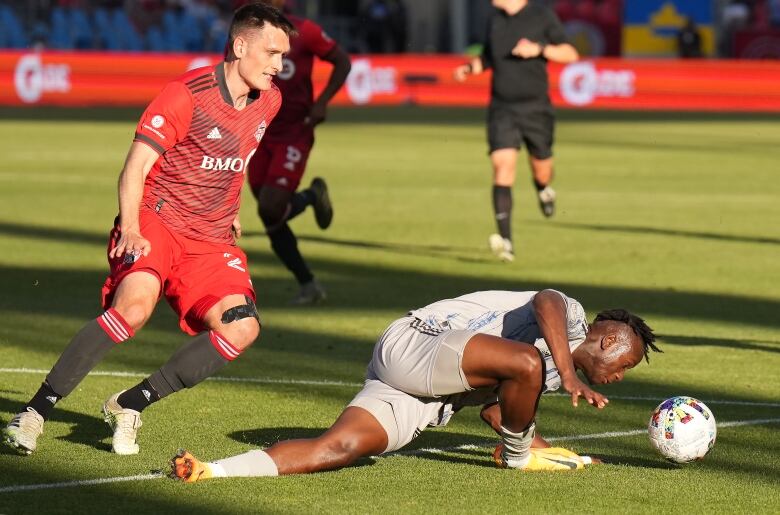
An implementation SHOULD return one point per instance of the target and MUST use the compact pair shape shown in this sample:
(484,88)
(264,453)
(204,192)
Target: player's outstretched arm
(356,433)
(139,162)
(550,310)
(338,75)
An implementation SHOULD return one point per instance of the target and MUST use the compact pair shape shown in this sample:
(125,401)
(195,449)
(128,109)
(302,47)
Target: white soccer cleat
(547,201)
(125,424)
(501,247)
(23,430)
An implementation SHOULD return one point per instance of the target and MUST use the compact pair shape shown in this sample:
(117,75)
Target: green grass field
(674,217)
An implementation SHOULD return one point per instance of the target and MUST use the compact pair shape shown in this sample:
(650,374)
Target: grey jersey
(507,314)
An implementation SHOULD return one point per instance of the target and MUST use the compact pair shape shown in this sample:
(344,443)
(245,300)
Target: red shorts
(194,275)
(280,164)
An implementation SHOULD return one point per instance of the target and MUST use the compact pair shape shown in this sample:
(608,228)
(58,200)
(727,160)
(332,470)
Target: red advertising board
(111,79)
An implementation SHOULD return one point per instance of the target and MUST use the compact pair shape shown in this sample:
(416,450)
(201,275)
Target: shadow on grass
(633,461)
(385,115)
(693,341)
(409,249)
(85,430)
(355,284)
(657,231)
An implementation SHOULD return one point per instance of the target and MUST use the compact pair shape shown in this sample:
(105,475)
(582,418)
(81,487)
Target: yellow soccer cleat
(550,459)
(186,467)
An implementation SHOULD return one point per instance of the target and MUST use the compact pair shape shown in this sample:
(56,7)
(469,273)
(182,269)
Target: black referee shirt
(516,79)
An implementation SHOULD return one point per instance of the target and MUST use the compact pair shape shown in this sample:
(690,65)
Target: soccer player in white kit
(496,349)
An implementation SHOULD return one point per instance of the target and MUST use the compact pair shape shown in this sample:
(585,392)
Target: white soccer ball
(682,429)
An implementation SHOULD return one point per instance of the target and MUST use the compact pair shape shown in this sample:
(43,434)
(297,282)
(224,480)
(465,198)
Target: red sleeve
(315,39)
(166,120)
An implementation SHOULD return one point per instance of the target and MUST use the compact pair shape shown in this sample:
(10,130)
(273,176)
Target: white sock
(217,470)
(250,464)
(517,446)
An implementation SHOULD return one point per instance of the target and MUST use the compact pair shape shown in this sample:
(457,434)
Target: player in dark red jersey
(179,195)
(276,169)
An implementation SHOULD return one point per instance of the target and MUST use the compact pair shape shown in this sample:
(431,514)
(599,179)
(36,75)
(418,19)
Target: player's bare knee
(136,314)
(242,333)
(526,366)
(340,451)
(240,323)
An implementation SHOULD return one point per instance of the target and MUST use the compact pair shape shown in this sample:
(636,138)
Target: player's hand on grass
(236,228)
(131,243)
(526,49)
(578,389)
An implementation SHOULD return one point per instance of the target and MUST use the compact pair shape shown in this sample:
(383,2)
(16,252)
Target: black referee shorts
(512,125)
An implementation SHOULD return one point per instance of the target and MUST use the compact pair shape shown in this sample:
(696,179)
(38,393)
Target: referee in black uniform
(521,38)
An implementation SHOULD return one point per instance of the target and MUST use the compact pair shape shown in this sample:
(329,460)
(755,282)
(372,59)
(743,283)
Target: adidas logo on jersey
(214,134)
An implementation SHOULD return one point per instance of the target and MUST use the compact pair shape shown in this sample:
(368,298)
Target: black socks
(285,245)
(502,206)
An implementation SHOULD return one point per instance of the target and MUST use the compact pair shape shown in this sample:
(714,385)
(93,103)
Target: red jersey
(295,78)
(204,145)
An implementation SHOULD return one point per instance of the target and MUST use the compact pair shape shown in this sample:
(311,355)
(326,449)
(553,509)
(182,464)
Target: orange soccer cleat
(186,467)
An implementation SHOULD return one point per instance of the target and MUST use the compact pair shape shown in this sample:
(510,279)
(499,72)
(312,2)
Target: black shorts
(511,125)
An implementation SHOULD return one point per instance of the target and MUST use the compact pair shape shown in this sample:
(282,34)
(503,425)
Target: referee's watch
(542,46)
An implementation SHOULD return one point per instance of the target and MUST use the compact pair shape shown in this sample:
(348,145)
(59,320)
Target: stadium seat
(11,30)
(58,30)
(155,41)
(81,29)
(128,36)
(174,40)
(107,37)
(192,32)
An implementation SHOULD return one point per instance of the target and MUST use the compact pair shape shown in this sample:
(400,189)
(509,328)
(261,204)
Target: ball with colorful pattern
(682,429)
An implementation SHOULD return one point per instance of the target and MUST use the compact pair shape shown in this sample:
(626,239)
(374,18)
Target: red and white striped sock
(115,326)
(226,349)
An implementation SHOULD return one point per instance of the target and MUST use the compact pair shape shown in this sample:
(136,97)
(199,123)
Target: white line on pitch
(261,380)
(310,382)
(573,438)
(144,477)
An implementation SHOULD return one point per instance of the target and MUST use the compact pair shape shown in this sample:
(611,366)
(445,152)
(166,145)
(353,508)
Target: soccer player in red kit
(179,195)
(276,169)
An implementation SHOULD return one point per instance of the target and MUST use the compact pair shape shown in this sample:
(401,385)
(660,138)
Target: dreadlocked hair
(635,323)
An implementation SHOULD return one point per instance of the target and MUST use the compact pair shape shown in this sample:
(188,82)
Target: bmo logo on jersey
(226,164)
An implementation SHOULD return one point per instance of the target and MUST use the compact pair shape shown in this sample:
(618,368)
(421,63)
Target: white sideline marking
(143,477)
(223,379)
(268,380)
(573,438)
